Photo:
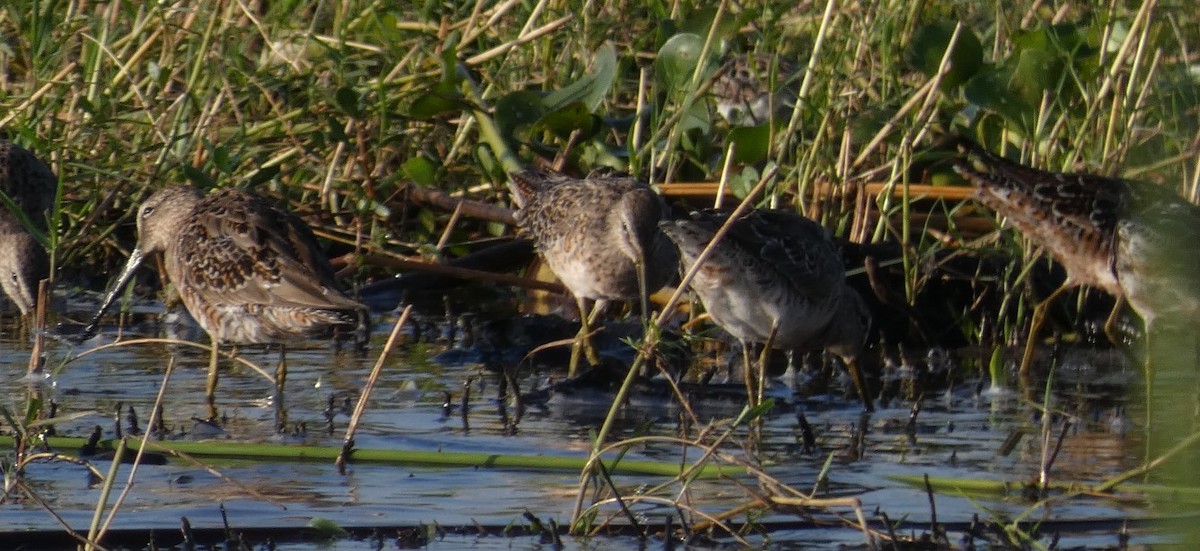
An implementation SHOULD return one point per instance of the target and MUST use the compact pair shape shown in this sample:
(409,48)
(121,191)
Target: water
(957,434)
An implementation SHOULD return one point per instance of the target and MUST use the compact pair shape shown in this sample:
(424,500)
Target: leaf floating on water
(327,528)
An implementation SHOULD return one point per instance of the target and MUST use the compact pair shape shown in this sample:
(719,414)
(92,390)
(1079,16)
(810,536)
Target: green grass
(334,107)
(325,106)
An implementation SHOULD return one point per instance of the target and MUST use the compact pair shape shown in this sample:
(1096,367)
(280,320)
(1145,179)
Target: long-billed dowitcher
(775,277)
(599,235)
(1134,241)
(745,92)
(30,185)
(249,272)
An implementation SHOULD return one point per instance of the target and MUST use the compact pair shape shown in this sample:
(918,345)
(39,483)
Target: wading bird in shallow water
(599,235)
(30,185)
(248,271)
(775,277)
(1136,241)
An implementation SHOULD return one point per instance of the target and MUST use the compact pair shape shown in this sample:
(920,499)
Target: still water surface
(959,434)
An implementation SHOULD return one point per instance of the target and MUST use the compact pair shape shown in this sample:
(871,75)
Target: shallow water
(957,434)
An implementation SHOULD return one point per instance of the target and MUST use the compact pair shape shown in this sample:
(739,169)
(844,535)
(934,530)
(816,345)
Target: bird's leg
(860,383)
(583,342)
(1110,324)
(1035,324)
(747,372)
(210,385)
(281,369)
(280,381)
(640,265)
(1148,370)
(761,377)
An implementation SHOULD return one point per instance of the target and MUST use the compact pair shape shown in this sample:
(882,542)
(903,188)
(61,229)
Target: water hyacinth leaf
(445,97)
(867,124)
(677,60)
(1066,39)
(928,47)
(696,118)
(335,129)
(989,91)
(197,177)
(741,183)
(571,117)
(263,175)
(419,170)
(1036,73)
(327,528)
(221,158)
(516,113)
(751,143)
(699,22)
(348,101)
(591,89)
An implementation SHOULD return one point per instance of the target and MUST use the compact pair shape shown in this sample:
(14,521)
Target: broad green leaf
(420,171)
(348,101)
(327,528)
(571,117)
(677,60)
(1037,71)
(516,113)
(443,98)
(751,143)
(929,45)
(590,89)
(262,175)
(197,177)
(700,21)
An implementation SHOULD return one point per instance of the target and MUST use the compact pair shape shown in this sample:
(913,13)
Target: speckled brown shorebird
(30,185)
(1135,241)
(248,271)
(748,90)
(599,235)
(775,277)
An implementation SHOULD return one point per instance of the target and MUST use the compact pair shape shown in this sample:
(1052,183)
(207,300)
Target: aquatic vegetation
(392,130)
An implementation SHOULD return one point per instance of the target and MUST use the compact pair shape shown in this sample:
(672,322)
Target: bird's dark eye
(146,210)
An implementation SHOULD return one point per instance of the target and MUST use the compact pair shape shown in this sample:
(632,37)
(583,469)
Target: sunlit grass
(319,104)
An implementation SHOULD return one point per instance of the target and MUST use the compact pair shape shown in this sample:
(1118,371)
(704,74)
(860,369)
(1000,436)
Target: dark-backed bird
(248,271)
(30,187)
(599,235)
(775,276)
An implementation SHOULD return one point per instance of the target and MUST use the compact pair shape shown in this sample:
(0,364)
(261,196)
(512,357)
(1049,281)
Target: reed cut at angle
(598,234)
(248,271)
(30,186)
(775,277)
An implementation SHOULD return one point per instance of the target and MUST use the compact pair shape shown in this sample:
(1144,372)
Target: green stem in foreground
(262,452)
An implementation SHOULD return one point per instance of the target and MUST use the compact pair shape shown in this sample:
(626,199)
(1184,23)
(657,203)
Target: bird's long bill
(131,265)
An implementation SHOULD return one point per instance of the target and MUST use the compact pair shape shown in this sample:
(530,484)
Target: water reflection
(956,433)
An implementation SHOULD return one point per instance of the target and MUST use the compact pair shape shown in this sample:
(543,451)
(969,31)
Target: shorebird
(776,277)
(1135,241)
(30,186)
(745,92)
(599,235)
(248,271)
